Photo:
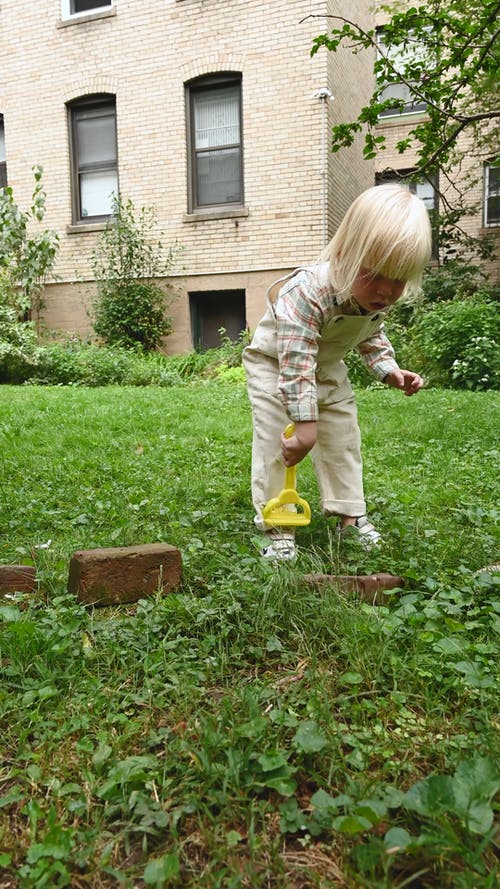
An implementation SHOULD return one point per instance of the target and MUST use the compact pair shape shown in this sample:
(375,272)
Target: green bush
(79,364)
(456,343)
(130,309)
(27,253)
(18,344)
(132,314)
(26,258)
(453,280)
(212,362)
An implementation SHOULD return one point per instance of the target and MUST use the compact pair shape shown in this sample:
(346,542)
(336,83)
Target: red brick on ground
(17,579)
(115,575)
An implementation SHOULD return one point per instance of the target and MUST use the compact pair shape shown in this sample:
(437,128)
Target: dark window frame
(3,163)
(193,88)
(89,6)
(101,103)
(490,193)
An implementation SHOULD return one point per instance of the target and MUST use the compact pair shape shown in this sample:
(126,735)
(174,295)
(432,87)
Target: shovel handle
(290,472)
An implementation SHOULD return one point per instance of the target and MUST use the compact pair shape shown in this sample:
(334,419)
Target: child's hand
(406,380)
(295,448)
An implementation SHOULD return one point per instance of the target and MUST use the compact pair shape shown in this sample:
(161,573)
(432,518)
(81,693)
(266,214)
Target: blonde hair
(386,229)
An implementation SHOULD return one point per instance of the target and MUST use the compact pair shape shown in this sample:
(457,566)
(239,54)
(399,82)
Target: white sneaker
(367,534)
(280,546)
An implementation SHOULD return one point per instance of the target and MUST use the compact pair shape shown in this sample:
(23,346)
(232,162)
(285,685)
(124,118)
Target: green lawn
(247,730)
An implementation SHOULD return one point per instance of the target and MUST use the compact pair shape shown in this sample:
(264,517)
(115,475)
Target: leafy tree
(27,255)
(130,307)
(447,53)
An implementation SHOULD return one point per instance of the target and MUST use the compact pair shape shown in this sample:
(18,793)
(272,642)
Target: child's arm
(299,312)
(378,355)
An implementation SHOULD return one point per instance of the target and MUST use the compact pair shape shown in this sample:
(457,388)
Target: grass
(247,730)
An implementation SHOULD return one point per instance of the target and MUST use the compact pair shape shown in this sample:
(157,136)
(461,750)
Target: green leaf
(10,614)
(351,678)
(473,675)
(283,784)
(351,824)
(451,645)
(475,783)
(271,761)
(431,796)
(233,838)
(38,851)
(396,840)
(308,738)
(372,809)
(322,800)
(14,795)
(159,870)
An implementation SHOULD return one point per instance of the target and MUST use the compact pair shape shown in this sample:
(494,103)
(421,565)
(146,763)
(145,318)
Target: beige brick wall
(144,53)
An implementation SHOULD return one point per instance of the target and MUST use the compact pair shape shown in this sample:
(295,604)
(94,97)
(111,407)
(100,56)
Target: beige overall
(337,454)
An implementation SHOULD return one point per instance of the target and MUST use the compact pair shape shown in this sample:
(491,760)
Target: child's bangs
(400,260)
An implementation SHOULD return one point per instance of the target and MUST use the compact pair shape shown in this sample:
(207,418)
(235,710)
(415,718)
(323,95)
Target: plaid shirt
(305,304)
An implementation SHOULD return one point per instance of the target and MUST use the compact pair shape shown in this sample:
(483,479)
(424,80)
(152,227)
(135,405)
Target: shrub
(130,307)
(25,261)
(132,314)
(83,364)
(456,343)
(452,280)
(212,362)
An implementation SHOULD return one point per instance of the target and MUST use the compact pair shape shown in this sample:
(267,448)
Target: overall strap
(270,300)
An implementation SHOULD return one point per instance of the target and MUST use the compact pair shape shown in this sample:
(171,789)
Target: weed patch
(248,730)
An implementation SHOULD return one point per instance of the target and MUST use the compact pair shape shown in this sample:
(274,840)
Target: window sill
(81,228)
(215,213)
(89,17)
(403,117)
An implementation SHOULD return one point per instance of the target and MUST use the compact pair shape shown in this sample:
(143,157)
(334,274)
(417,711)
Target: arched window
(215,155)
(94,164)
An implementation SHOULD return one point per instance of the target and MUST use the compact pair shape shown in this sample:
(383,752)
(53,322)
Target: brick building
(212,111)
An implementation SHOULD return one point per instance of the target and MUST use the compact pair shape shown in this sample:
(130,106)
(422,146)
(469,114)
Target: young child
(294,365)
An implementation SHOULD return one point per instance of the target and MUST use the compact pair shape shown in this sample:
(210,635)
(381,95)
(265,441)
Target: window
(87,5)
(3,163)
(214,134)
(398,90)
(212,310)
(492,194)
(75,7)
(425,189)
(94,157)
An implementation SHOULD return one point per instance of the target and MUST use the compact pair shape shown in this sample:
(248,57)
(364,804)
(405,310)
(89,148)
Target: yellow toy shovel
(277,511)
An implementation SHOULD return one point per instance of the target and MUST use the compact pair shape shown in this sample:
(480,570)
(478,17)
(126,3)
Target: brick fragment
(368,587)
(17,579)
(116,575)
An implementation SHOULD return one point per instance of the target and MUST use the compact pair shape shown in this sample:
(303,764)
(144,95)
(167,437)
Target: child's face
(374,292)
